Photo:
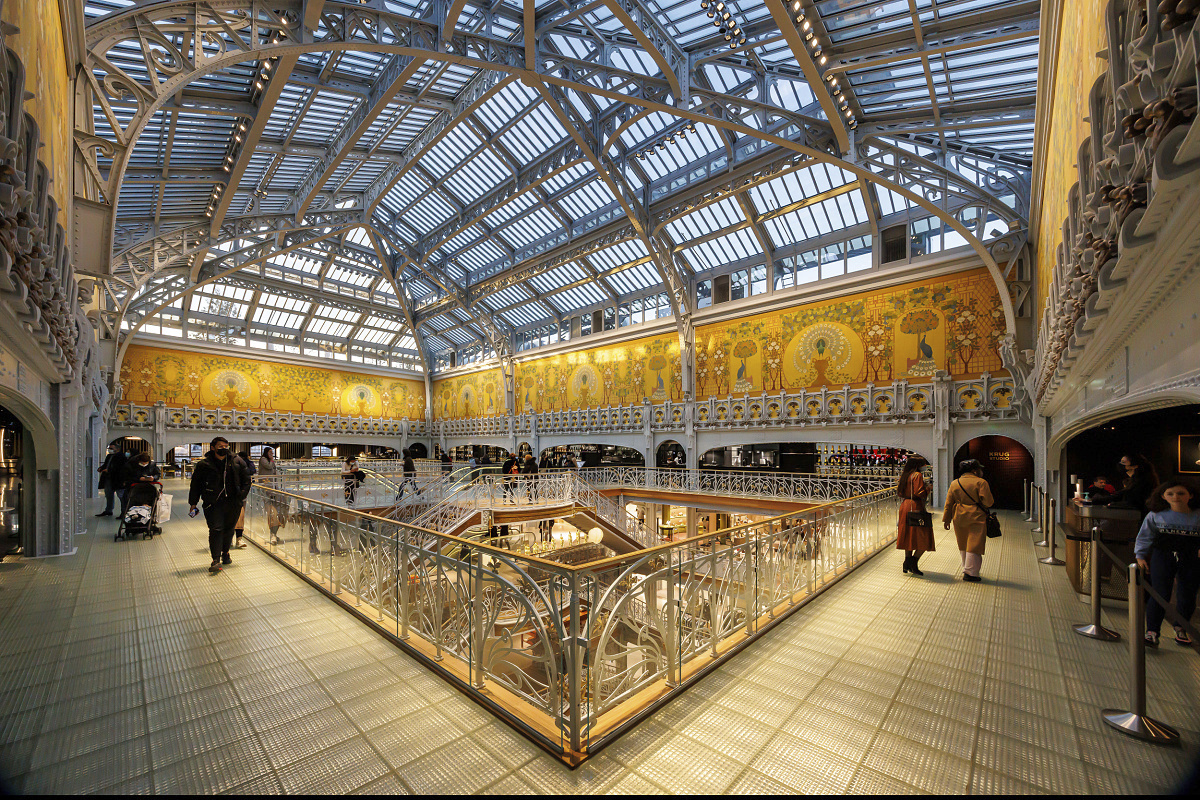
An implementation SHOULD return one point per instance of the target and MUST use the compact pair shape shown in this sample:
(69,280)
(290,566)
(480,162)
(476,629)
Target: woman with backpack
(967,506)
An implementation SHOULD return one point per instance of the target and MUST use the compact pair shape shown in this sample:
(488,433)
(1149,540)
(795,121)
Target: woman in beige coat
(967,504)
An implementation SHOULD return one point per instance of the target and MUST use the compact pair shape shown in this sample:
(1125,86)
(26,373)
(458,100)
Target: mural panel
(905,332)
(180,378)
(479,394)
(641,369)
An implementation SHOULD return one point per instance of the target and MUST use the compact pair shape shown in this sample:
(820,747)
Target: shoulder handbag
(992,525)
(918,519)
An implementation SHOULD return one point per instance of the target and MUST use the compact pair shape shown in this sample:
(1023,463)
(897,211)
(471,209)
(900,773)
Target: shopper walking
(1168,549)
(531,476)
(352,476)
(914,530)
(112,477)
(967,505)
(447,463)
(239,528)
(410,474)
(222,482)
(269,479)
(510,469)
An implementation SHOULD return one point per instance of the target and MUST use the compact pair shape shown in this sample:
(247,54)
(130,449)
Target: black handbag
(919,519)
(992,523)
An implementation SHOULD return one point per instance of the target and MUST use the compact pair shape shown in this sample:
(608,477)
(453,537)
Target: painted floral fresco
(180,378)
(646,368)
(479,394)
(910,331)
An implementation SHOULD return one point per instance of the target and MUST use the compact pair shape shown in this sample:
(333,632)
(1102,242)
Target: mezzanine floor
(128,668)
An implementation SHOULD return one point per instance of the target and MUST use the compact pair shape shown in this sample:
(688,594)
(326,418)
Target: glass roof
(485,206)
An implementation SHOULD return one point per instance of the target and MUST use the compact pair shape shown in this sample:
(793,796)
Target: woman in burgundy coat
(914,540)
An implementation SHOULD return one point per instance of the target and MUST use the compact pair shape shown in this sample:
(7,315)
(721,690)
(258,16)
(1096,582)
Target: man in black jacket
(223,482)
(112,477)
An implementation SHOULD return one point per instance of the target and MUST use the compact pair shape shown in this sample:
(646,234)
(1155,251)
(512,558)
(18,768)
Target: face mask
(221,451)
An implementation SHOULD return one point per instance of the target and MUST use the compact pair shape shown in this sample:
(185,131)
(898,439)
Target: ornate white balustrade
(1129,238)
(900,402)
(896,403)
(134,416)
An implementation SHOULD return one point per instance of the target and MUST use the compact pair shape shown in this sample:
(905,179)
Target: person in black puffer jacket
(222,482)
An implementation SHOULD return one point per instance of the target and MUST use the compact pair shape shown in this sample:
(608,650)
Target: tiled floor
(128,668)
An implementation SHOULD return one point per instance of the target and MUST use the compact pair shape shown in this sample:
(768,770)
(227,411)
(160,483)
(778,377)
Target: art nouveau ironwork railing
(796,486)
(561,649)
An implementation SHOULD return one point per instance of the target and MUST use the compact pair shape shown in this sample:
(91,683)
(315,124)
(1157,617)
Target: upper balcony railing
(139,415)
(983,398)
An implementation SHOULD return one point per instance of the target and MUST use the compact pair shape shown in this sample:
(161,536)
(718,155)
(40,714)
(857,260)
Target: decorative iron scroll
(1141,156)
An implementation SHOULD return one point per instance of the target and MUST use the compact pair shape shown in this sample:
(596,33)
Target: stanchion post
(1135,722)
(1094,629)
(1025,495)
(1039,512)
(1051,559)
(1045,525)
(1030,502)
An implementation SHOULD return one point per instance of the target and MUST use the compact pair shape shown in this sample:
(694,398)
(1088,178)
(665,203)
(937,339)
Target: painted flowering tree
(657,363)
(963,327)
(744,350)
(702,368)
(772,362)
(877,344)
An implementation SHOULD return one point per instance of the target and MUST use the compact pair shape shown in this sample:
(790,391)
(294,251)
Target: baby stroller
(141,511)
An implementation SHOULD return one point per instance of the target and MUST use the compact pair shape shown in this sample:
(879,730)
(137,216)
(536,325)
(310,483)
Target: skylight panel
(637,278)
(618,255)
(529,227)
(522,315)
(374,336)
(337,313)
(475,177)
(533,134)
(429,212)
(405,191)
(328,328)
(580,297)
(508,296)
(722,215)
(558,277)
(736,246)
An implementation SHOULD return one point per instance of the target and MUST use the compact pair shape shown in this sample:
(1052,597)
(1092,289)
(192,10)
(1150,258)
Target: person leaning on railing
(914,529)
(1168,548)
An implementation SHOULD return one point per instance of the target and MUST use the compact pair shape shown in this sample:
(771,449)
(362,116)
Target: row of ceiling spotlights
(668,138)
(239,131)
(814,45)
(724,22)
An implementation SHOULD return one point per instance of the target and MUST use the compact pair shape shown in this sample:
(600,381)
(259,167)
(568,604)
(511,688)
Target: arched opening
(12,468)
(418,450)
(670,454)
(1007,466)
(1169,438)
(808,457)
(595,455)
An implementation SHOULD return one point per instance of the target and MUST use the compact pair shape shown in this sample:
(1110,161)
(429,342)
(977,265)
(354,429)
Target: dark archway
(670,454)
(598,455)
(1007,466)
(1168,437)
(418,450)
